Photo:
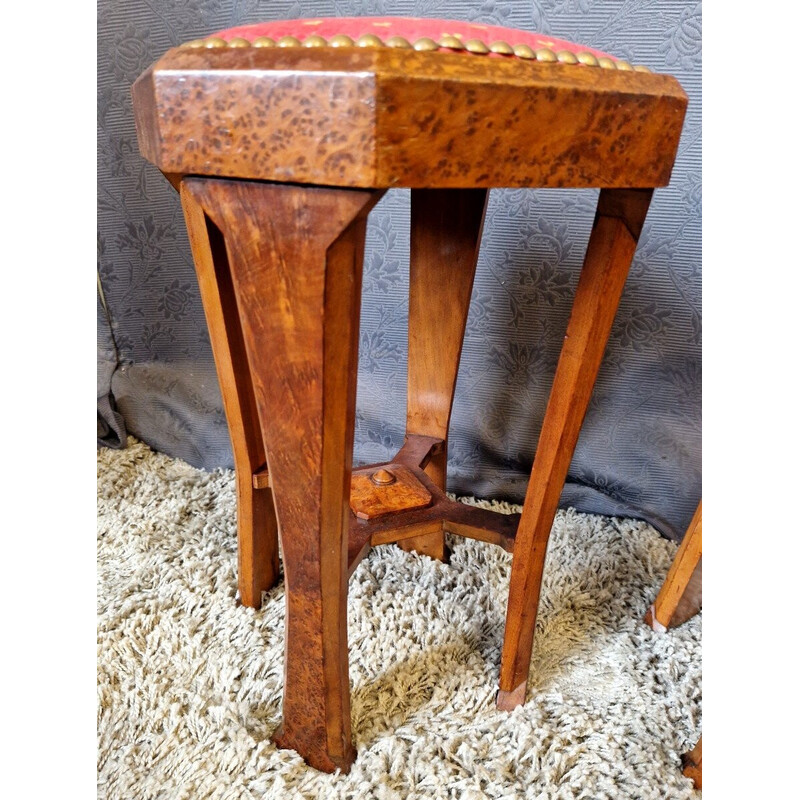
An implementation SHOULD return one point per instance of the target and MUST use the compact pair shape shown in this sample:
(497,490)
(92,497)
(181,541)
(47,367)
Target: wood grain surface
(382,118)
(446,227)
(681,596)
(368,500)
(257,527)
(617,225)
(301,336)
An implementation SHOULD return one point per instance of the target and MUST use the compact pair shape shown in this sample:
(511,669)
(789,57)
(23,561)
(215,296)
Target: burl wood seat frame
(279,154)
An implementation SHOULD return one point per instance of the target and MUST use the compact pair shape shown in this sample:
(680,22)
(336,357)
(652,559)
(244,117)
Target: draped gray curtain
(639,450)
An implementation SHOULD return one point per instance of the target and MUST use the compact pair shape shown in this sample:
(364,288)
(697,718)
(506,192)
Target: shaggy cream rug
(189,684)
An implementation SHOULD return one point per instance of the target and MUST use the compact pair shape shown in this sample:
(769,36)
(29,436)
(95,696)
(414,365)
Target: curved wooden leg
(296,255)
(257,528)
(617,225)
(680,597)
(446,227)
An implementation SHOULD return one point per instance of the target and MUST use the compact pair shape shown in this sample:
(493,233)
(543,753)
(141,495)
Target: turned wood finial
(383,477)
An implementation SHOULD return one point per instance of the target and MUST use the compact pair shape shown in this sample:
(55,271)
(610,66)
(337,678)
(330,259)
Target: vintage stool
(280,138)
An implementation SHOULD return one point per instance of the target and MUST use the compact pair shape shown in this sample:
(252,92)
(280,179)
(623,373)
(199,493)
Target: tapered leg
(296,256)
(617,225)
(446,227)
(680,597)
(256,524)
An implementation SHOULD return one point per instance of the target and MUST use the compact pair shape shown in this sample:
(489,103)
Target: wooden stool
(678,600)
(281,137)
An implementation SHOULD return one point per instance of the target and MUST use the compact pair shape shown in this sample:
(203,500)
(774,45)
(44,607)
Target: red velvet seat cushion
(410,28)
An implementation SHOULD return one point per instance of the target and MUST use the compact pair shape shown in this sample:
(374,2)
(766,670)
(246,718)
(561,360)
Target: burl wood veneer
(382,118)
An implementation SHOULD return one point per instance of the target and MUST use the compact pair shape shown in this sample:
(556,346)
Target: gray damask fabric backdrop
(640,449)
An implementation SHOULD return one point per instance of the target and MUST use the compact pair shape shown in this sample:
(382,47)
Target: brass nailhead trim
(398,41)
(426,45)
(451,43)
(315,41)
(476,46)
(341,40)
(369,40)
(502,48)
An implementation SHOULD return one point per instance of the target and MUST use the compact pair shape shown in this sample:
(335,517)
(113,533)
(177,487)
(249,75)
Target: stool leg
(257,527)
(296,256)
(680,597)
(446,227)
(693,764)
(617,225)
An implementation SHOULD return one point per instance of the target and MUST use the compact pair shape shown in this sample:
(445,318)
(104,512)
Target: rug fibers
(189,683)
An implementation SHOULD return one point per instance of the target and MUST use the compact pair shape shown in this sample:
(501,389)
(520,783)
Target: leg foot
(693,764)
(650,619)
(680,597)
(508,701)
(314,755)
